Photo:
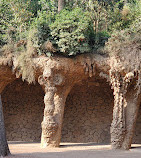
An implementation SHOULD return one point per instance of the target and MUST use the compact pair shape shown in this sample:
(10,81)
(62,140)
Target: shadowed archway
(23,111)
(88,112)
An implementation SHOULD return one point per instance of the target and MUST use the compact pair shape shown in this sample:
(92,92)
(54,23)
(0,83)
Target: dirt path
(71,150)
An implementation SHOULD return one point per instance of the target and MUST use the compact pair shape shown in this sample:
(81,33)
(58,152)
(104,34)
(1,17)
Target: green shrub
(5,19)
(70,31)
(122,15)
(97,40)
(40,31)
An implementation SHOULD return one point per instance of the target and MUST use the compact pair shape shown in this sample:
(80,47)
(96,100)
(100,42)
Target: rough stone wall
(88,113)
(23,111)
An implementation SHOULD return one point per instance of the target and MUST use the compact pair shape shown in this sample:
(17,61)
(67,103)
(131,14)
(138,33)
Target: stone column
(125,111)
(118,122)
(4,149)
(59,100)
(131,112)
(49,126)
(55,95)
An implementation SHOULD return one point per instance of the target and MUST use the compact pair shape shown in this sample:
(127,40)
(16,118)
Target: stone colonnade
(58,76)
(125,112)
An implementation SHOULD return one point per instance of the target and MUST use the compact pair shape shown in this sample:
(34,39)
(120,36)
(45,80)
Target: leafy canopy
(82,26)
(70,31)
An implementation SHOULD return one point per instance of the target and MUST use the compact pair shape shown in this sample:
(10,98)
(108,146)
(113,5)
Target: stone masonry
(87,116)
(23,111)
(88,113)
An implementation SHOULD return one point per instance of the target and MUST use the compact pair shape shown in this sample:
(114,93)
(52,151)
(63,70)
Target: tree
(70,31)
(60,5)
(15,17)
(4,149)
(21,16)
(5,21)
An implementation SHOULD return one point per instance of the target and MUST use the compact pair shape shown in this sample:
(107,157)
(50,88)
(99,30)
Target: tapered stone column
(126,104)
(49,126)
(55,97)
(118,123)
(131,112)
(59,100)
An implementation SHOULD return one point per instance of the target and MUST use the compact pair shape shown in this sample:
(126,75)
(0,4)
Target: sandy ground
(71,150)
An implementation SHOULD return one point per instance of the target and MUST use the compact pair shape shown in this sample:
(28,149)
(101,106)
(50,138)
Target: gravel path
(71,150)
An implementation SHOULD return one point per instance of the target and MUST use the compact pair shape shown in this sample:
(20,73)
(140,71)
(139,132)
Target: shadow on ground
(68,150)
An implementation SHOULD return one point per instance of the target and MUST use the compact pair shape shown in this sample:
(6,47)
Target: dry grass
(25,66)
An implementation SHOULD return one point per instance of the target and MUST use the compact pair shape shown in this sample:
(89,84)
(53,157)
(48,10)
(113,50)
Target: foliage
(48,5)
(40,30)
(25,65)
(5,18)
(121,42)
(70,31)
(33,6)
(98,13)
(97,40)
(16,19)
(99,17)
(123,14)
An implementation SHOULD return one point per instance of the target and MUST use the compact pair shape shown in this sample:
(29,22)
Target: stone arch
(23,111)
(88,112)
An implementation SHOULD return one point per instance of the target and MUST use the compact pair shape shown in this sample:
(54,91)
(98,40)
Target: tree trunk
(4,149)
(60,5)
